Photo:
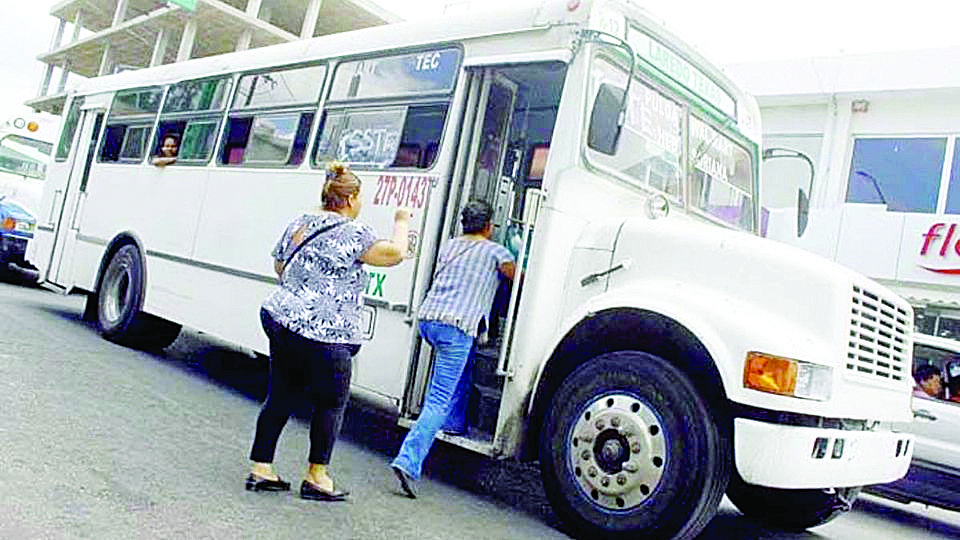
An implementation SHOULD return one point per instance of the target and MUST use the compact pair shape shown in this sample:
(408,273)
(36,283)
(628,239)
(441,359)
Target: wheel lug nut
(600,424)
(615,422)
(635,447)
(605,481)
(585,455)
(630,467)
(592,472)
(622,479)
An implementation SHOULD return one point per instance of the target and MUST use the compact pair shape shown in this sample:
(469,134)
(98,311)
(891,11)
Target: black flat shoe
(406,482)
(255,483)
(311,493)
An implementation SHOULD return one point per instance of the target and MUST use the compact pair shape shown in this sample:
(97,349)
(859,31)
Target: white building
(882,130)
(106,36)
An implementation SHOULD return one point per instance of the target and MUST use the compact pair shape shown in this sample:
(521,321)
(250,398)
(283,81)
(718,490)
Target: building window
(901,173)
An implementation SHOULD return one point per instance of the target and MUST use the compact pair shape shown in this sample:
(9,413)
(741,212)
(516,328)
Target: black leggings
(302,366)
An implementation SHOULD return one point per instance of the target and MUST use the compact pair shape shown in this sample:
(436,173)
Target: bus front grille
(878,346)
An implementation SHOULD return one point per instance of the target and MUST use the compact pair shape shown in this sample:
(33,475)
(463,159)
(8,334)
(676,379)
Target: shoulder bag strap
(308,239)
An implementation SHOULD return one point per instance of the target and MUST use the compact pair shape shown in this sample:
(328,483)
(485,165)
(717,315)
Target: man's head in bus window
(929,380)
(170,146)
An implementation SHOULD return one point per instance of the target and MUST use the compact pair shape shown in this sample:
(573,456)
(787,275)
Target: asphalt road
(101,441)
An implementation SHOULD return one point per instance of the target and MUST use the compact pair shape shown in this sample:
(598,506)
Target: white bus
(657,353)
(26,143)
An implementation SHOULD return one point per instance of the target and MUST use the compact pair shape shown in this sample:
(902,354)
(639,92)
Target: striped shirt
(464,283)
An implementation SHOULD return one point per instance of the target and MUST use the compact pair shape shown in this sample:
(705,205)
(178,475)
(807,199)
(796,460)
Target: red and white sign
(940,251)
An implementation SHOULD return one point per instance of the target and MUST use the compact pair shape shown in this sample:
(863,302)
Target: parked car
(934,475)
(16,229)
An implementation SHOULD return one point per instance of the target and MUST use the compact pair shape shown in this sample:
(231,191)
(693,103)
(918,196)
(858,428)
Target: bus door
(69,197)
(508,122)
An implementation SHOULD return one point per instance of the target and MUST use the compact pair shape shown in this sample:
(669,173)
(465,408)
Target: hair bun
(336,168)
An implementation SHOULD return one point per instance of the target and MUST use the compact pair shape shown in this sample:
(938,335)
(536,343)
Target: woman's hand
(403,214)
(391,252)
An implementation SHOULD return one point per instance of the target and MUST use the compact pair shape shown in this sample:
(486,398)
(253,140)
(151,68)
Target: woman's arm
(163,161)
(390,252)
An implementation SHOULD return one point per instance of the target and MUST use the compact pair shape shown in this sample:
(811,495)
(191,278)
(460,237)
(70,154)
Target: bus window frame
(129,121)
(264,164)
(299,108)
(438,47)
(216,116)
(593,158)
(73,111)
(731,137)
(691,105)
(407,100)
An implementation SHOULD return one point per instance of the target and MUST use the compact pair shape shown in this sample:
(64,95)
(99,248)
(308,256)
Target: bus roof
(355,42)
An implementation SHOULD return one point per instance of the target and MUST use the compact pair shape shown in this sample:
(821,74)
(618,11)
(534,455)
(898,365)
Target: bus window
(128,126)
(282,88)
(276,136)
(24,156)
(649,148)
(267,139)
(70,123)
(193,110)
(721,182)
(373,137)
(392,76)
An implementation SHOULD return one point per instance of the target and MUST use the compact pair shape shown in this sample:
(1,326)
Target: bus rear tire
(629,449)
(119,299)
(793,510)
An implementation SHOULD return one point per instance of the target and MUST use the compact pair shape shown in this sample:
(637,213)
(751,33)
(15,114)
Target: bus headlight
(787,377)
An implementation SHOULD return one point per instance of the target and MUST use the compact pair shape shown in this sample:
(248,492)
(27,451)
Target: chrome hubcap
(617,451)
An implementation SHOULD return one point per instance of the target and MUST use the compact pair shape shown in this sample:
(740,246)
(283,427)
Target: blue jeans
(448,386)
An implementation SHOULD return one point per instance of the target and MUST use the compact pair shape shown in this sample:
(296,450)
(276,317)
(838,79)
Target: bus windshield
(719,181)
(24,156)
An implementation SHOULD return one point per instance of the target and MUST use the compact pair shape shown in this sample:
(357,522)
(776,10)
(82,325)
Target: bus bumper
(796,457)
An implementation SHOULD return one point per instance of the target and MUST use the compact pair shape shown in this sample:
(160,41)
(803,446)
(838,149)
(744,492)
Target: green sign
(672,65)
(186,5)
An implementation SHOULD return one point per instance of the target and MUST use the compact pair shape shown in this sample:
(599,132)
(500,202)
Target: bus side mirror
(803,212)
(803,197)
(604,129)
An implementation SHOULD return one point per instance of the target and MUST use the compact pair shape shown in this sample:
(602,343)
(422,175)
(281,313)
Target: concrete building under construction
(100,37)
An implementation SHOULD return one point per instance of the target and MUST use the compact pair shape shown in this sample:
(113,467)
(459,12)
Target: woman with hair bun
(464,283)
(313,323)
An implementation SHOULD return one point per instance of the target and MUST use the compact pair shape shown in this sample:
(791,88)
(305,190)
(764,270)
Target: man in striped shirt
(464,285)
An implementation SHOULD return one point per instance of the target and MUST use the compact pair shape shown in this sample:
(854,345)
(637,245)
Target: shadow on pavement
(510,484)
(905,517)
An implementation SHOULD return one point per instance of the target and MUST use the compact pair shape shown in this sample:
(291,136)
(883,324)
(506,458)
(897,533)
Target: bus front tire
(792,510)
(630,449)
(118,302)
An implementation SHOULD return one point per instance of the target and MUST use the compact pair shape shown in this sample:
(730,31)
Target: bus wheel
(629,449)
(789,509)
(119,299)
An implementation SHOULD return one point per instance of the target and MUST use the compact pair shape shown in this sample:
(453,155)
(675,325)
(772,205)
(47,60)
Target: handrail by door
(534,198)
